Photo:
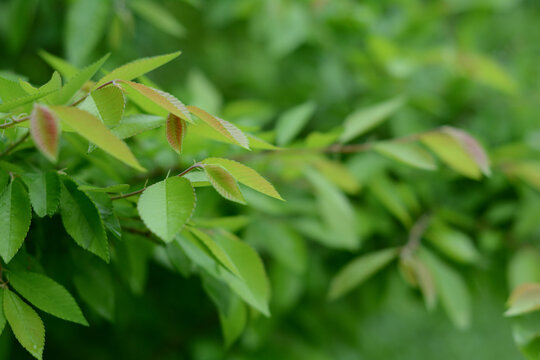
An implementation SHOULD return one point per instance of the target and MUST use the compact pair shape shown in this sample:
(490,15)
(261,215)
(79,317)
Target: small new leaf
(224,183)
(176,131)
(110,102)
(45,130)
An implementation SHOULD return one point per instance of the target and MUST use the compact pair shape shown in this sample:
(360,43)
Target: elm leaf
(15,219)
(224,128)
(224,183)
(110,102)
(45,130)
(44,191)
(176,131)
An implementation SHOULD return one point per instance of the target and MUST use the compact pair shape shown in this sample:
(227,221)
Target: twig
(415,235)
(14,145)
(14,122)
(136,192)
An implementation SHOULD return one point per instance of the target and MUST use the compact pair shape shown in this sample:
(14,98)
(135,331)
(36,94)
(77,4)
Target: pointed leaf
(45,130)
(359,270)
(15,219)
(25,323)
(62,66)
(224,183)
(524,299)
(176,131)
(82,221)
(364,119)
(224,128)
(472,147)
(291,122)
(166,206)
(215,249)
(22,100)
(158,16)
(137,124)
(47,295)
(137,68)
(44,191)
(110,103)
(95,131)
(245,175)
(407,153)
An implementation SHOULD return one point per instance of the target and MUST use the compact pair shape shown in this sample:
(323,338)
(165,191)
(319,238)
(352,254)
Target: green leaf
(365,119)
(25,323)
(458,150)
(418,274)
(162,99)
(10,90)
(408,153)
(85,24)
(158,17)
(336,211)
(245,175)
(2,316)
(96,288)
(224,183)
(91,128)
(454,244)
(63,67)
(166,206)
(215,249)
(110,103)
(15,219)
(524,267)
(117,188)
(22,100)
(44,191)
(524,299)
(76,82)
(45,130)
(291,122)
(176,131)
(224,128)
(203,93)
(359,270)
(82,220)
(47,295)
(451,289)
(137,124)
(137,68)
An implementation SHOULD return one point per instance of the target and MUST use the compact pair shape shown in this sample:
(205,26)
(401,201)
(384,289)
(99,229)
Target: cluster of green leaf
(378,111)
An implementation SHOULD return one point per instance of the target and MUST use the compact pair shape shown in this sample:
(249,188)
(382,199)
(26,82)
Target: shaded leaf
(44,191)
(96,288)
(215,249)
(63,67)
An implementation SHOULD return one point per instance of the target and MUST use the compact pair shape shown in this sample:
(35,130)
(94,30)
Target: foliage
(400,194)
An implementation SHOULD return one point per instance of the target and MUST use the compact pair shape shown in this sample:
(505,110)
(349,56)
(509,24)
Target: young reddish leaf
(472,147)
(161,98)
(224,183)
(176,130)
(45,130)
(225,128)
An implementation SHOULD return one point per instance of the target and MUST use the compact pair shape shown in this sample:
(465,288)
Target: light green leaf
(110,103)
(245,175)
(76,82)
(82,221)
(224,183)
(336,211)
(15,219)
(95,131)
(44,191)
(137,124)
(452,243)
(22,100)
(25,323)
(216,250)
(408,153)
(176,131)
(166,206)
(224,128)
(204,94)
(45,130)
(85,24)
(471,146)
(365,119)
(10,90)
(524,299)
(137,68)
(47,295)
(359,270)
(162,99)
(63,67)
(524,267)
(158,17)
(451,289)
(291,122)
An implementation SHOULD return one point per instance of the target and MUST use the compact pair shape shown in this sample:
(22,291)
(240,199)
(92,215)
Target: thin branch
(15,144)
(415,235)
(14,122)
(136,192)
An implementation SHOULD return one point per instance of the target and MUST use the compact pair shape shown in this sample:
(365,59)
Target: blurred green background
(472,64)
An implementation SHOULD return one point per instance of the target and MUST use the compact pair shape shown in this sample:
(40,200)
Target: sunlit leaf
(110,103)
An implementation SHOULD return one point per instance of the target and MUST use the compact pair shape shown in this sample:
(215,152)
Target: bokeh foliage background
(472,64)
